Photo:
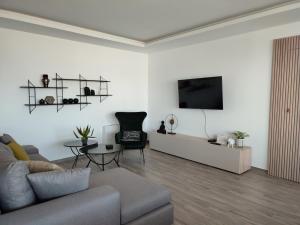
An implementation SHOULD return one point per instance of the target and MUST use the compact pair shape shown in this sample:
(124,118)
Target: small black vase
(76,100)
(42,102)
(87,91)
(70,101)
(93,92)
(65,101)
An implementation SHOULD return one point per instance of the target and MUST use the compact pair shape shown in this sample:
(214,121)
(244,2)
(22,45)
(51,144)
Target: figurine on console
(162,128)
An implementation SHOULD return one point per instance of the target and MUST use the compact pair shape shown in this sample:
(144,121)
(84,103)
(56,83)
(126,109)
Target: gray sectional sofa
(115,197)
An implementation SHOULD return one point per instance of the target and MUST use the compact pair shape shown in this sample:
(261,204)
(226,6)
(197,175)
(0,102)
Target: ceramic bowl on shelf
(50,100)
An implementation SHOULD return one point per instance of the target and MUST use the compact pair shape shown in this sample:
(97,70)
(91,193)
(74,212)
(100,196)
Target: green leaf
(75,134)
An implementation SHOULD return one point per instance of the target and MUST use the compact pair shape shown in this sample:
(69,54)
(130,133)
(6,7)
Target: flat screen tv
(201,93)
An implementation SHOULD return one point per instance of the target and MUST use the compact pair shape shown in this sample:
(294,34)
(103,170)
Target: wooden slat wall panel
(284,127)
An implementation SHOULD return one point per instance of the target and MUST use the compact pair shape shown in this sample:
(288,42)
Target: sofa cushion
(131,136)
(31,149)
(6,139)
(138,195)
(37,157)
(18,151)
(42,166)
(6,154)
(15,190)
(48,185)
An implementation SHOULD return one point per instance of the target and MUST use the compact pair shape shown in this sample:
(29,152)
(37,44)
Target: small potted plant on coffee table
(84,134)
(240,136)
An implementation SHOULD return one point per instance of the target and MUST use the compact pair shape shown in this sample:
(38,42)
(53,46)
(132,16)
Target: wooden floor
(203,195)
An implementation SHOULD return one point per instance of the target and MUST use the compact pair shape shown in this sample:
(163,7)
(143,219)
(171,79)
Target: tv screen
(201,93)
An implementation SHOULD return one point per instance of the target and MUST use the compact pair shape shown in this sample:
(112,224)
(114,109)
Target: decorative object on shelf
(172,123)
(42,102)
(162,128)
(84,133)
(240,136)
(65,101)
(70,100)
(93,92)
(87,91)
(76,100)
(230,143)
(222,139)
(50,100)
(45,80)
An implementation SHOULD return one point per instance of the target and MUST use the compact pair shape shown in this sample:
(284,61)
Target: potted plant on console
(240,136)
(84,134)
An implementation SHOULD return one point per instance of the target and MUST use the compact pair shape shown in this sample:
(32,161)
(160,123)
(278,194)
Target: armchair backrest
(131,121)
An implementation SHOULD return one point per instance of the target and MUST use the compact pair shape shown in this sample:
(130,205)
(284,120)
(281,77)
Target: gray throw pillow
(53,184)
(131,136)
(6,139)
(6,155)
(15,190)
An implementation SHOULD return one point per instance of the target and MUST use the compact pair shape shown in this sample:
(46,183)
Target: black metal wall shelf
(59,90)
(94,95)
(57,104)
(44,87)
(70,79)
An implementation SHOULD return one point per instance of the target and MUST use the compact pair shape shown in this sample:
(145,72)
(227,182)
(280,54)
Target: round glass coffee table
(75,146)
(101,150)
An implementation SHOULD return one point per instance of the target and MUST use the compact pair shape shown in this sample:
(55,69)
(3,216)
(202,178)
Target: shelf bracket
(82,81)
(59,87)
(31,95)
(103,90)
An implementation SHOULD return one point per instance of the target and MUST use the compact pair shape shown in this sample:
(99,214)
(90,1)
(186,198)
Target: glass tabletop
(78,143)
(101,149)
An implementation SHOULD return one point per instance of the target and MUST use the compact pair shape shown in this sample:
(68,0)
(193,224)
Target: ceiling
(140,20)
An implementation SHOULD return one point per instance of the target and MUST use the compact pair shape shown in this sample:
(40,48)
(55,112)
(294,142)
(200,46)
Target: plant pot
(84,141)
(240,143)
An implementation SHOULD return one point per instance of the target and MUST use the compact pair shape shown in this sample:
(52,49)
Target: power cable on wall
(205,124)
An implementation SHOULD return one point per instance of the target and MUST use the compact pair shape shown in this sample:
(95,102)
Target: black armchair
(131,134)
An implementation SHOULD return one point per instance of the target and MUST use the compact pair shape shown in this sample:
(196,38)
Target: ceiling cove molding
(10,15)
(139,45)
(227,22)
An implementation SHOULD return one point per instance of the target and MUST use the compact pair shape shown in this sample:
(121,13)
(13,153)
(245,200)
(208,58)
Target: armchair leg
(142,152)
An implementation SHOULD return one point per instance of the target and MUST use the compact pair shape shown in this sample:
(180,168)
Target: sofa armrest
(30,149)
(96,206)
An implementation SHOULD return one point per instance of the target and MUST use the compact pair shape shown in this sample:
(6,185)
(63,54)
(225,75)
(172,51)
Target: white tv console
(236,160)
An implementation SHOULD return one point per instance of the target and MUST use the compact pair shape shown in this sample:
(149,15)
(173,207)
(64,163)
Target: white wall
(244,61)
(26,56)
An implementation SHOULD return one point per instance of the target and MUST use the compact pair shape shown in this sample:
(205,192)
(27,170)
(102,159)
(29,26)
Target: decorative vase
(45,80)
(240,143)
(84,141)
(87,91)
(70,101)
(42,102)
(65,101)
(93,92)
(76,100)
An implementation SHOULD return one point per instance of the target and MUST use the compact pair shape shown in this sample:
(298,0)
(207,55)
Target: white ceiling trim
(228,22)
(6,14)
(37,21)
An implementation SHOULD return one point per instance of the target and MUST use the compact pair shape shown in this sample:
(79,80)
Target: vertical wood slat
(284,122)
